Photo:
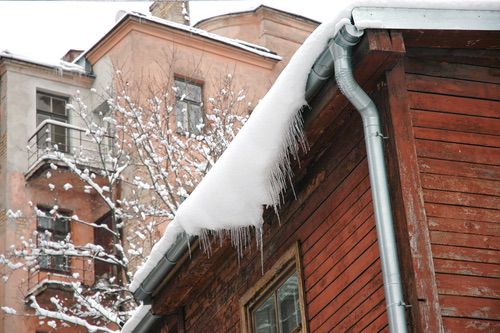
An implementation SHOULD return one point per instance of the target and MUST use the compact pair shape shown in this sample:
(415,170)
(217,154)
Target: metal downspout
(341,50)
(145,290)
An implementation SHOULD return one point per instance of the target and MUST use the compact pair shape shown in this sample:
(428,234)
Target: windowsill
(54,272)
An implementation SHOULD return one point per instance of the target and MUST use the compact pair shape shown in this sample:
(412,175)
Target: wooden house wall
(455,113)
(336,230)
(442,113)
(332,219)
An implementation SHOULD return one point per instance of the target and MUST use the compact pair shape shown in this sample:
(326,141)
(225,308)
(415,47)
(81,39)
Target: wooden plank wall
(332,219)
(343,281)
(455,110)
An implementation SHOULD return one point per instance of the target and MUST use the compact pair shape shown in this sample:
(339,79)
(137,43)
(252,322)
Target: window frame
(40,230)
(51,115)
(268,285)
(189,102)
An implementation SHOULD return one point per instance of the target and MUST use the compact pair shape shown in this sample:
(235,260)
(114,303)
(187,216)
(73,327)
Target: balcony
(83,270)
(54,140)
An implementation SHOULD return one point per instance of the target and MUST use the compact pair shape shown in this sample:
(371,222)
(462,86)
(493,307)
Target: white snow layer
(8,310)
(61,65)
(135,319)
(253,170)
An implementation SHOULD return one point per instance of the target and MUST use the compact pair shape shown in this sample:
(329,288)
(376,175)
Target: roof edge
(241,45)
(260,7)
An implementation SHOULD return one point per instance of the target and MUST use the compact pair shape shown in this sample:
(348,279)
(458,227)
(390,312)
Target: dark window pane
(52,230)
(51,107)
(265,317)
(44,261)
(188,106)
(193,92)
(181,116)
(42,102)
(59,106)
(195,119)
(60,263)
(288,303)
(45,222)
(40,118)
(180,89)
(61,225)
(59,137)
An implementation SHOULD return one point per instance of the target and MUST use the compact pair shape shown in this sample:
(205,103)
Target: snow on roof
(254,169)
(256,49)
(136,317)
(59,65)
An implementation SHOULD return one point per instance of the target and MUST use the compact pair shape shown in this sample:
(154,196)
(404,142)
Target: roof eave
(272,56)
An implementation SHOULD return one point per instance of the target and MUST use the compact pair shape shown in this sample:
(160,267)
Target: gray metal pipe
(145,290)
(147,323)
(161,270)
(341,50)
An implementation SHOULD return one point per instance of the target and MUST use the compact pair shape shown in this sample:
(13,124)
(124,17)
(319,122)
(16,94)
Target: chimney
(71,55)
(171,10)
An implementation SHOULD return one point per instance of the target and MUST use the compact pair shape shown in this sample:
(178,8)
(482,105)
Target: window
(52,229)
(275,303)
(188,102)
(52,107)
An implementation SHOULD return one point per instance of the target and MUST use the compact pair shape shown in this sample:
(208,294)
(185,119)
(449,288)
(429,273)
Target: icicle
(260,246)
(188,246)
(294,140)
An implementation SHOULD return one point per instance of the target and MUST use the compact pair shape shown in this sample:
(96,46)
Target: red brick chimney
(171,10)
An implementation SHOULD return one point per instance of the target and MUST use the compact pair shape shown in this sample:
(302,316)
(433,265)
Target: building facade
(321,270)
(36,126)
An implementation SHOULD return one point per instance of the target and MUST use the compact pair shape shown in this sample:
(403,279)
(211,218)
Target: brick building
(33,117)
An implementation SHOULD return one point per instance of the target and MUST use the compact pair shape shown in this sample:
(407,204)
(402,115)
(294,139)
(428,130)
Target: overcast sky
(45,30)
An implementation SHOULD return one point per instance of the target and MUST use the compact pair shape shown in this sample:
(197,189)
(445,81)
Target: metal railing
(51,138)
(79,269)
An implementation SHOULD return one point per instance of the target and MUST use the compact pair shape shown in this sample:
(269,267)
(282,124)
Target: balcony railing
(54,137)
(81,269)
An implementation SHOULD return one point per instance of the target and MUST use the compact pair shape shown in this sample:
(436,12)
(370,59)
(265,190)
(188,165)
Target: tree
(141,165)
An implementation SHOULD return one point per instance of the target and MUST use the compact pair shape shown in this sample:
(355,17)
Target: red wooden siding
(333,220)
(455,110)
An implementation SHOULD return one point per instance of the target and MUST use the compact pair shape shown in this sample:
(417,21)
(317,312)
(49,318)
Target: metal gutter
(147,323)
(145,290)
(425,19)
(340,48)
(336,58)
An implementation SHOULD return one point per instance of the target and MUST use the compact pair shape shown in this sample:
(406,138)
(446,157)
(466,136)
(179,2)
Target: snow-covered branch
(137,162)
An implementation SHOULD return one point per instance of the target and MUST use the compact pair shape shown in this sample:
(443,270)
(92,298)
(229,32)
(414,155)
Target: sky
(45,30)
